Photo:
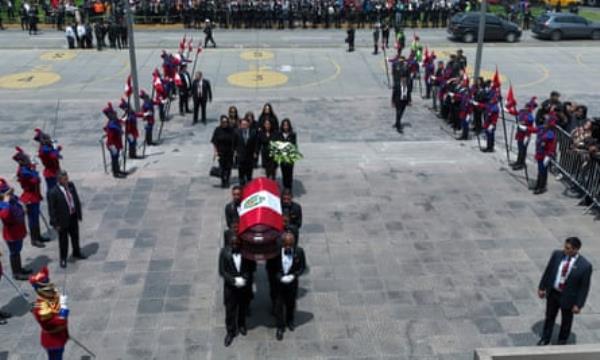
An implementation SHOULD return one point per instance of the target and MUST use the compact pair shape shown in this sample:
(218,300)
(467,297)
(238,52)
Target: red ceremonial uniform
(29,179)
(525,124)
(55,333)
(492,113)
(114,134)
(545,143)
(13,220)
(50,157)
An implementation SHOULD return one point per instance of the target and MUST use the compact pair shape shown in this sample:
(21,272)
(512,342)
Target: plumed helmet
(41,137)
(21,157)
(532,104)
(108,110)
(124,105)
(4,187)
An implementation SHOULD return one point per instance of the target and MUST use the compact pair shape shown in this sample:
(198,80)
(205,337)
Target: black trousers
(71,231)
(225,163)
(285,303)
(184,104)
(287,172)
(200,105)
(400,107)
(552,307)
(236,306)
(210,39)
(245,172)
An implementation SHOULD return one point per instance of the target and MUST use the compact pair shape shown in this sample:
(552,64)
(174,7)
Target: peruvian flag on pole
(128,88)
(157,82)
(261,220)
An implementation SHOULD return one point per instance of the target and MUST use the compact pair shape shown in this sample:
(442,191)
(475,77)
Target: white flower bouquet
(284,152)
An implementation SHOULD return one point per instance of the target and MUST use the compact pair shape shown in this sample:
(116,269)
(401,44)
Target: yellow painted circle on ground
(257,79)
(58,55)
(257,55)
(28,80)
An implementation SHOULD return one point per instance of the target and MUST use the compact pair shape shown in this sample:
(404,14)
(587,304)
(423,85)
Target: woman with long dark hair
(234,119)
(222,141)
(287,134)
(265,136)
(267,113)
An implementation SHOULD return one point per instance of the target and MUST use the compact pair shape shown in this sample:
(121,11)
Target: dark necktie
(563,273)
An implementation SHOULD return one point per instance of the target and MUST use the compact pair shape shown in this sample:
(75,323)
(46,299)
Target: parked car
(557,26)
(464,26)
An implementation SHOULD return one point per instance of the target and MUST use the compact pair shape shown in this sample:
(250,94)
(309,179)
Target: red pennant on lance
(157,82)
(182,43)
(496,80)
(128,88)
(511,102)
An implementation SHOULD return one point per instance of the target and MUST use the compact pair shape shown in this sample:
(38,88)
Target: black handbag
(215,171)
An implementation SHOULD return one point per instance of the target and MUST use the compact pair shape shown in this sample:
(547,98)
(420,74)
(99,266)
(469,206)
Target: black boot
(520,163)
(18,272)
(35,237)
(116,171)
(133,151)
(542,182)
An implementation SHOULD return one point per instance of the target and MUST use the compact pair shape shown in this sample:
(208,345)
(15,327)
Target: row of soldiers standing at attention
(283,270)
(478,105)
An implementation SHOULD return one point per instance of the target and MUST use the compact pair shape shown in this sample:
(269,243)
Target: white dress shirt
(557,279)
(286,261)
(237,261)
(68,198)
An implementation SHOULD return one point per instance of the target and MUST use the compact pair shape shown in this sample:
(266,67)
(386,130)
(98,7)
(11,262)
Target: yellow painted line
(28,80)
(58,55)
(545,76)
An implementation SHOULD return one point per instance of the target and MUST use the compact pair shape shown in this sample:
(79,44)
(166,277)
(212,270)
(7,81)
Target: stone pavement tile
(487,325)
(524,339)
(505,309)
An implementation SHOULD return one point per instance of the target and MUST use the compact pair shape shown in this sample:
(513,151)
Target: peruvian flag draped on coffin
(261,222)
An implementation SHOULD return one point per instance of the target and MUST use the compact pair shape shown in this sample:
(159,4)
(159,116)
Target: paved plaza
(418,246)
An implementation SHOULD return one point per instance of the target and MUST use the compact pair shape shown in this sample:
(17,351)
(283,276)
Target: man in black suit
(245,146)
(285,270)
(400,93)
(565,285)
(184,90)
(201,94)
(231,209)
(237,289)
(65,214)
(291,208)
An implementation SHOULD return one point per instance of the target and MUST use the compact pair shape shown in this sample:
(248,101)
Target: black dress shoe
(291,326)
(79,256)
(45,239)
(243,330)
(5,315)
(279,334)
(20,277)
(543,342)
(37,244)
(561,342)
(63,264)
(228,340)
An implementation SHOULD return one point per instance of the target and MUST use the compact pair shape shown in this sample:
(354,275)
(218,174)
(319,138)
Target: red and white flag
(496,80)
(199,50)
(157,82)
(182,44)
(177,79)
(511,102)
(260,205)
(128,88)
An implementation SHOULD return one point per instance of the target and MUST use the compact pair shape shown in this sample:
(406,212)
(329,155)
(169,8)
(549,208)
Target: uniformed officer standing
(545,150)
(400,96)
(30,182)
(147,114)
(50,157)
(237,274)
(114,139)
(350,37)
(184,90)
(13,230)
(131,130)
(525,128)
(208,34)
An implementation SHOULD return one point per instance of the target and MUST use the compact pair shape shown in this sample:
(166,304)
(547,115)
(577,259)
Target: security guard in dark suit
(565,285)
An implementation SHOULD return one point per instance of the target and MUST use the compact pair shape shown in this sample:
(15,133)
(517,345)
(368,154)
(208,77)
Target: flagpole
(504,128)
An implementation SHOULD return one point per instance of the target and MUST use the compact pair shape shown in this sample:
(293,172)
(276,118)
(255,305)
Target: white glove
(64,301)
(491,128)
(451,94)
(522,127)
(474,103)
(287,279)
(239,281)
(526,139)
(546,161)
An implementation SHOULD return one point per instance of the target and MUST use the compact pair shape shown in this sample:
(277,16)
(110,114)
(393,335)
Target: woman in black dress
(267,113)
(287,134)
(222,141)
(265,136)
(234,119)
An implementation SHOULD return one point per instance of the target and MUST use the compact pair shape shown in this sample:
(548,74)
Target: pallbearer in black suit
(565,285)
(291,208)
(237,276)
(231,209)
(222,141)
(287,268)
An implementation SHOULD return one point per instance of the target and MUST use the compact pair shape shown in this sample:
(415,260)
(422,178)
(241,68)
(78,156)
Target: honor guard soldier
(51,311)
(131,129)
(147,115)
(3,314)
(525,128)
(491,119)
(287,268)
(50,157)
(237,273)
(465,108)
(30,182)
(13,230)
(114,139)
(545,150)
(429,65)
